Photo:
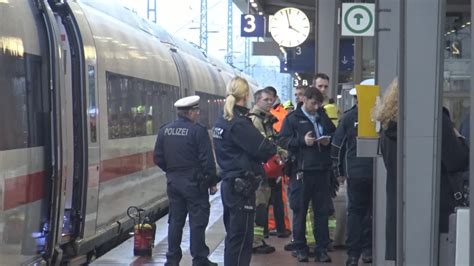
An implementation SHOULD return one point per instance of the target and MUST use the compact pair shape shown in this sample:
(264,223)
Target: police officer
(305,134)
(359,172)
(240,151)
(183,150)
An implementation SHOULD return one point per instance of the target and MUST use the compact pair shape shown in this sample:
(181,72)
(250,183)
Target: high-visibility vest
(280,113)
(332,112)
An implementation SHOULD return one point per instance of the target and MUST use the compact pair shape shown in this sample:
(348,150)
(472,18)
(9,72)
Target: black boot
(322,256)
(352,261)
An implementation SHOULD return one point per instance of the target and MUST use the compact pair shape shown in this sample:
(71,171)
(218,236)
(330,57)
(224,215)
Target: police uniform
(240,150)
(359,172)
(183,150)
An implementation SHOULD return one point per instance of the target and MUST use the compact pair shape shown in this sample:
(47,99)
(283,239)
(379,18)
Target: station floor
(215,234)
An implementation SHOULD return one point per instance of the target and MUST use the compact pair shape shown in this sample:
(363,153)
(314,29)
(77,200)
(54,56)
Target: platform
(215,233)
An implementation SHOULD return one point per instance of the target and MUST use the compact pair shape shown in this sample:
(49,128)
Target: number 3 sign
(252,25)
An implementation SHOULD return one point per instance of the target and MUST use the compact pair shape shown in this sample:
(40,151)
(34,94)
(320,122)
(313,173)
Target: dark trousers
(314,187)
(276,200)
(185,197)
(238,221)
(359,218)
(294,195)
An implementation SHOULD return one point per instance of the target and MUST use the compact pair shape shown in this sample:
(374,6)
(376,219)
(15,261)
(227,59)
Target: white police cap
(187,102)
(353,91)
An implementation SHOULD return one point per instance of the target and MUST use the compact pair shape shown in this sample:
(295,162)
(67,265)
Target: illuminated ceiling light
(286,69)
(468,23)
(252,1)
(254,4)
(453,31)
(260,13)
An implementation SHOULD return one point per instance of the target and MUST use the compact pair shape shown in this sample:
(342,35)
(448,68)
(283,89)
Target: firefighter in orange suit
(283,227)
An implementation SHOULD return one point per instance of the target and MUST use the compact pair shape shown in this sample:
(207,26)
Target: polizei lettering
(179,131)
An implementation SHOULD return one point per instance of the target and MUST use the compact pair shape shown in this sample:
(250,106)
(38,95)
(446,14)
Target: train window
(92,105)
(23,107)
(211,107)
(137,107)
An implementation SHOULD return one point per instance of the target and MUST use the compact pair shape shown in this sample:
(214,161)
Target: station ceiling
(270,7)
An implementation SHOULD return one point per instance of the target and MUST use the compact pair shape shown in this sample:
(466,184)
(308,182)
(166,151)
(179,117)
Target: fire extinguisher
(143,232)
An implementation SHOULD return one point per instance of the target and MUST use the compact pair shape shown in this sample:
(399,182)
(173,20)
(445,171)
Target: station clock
(289,27)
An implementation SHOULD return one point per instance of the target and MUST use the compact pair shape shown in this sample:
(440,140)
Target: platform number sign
(252,25)
(358,19)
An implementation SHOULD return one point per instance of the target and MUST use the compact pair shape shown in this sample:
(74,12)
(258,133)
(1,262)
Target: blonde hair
(387,111)
(237,89)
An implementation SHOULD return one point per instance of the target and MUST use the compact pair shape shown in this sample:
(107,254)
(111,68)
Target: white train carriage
(84,87)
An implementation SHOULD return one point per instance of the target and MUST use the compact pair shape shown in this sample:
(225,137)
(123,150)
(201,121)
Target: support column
(471,155)
(387,41)
(327,41)
(419,129)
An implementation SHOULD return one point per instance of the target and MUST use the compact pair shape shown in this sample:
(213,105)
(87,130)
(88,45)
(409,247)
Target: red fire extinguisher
(143,232)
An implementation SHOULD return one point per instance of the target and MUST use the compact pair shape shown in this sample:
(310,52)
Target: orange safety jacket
(280,113)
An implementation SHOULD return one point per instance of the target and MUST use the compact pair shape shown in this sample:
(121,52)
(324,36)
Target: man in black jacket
(359,173)
(306,133)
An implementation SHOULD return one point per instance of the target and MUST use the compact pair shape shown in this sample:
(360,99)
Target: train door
(182,72)
(82,187)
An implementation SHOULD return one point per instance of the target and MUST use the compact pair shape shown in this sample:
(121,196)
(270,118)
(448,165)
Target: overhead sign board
(358,19)
(252,25)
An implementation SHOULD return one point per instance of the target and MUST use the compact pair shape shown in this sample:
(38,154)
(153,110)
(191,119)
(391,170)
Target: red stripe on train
(29,188)
(121,166)
(23,189)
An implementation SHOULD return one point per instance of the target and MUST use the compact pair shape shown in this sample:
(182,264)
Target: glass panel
(21,102)
(92,105)
(138,107)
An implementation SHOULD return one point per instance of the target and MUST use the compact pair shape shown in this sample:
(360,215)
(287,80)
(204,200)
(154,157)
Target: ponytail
(229,107)
(237,89)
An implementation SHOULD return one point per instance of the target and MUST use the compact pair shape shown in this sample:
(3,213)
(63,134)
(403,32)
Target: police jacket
(239,146)
(184,148)
(344,149)
(291,138)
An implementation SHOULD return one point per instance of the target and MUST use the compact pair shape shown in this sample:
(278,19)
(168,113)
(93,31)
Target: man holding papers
(305,133)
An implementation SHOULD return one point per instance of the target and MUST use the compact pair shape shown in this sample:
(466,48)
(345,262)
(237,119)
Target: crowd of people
(309,146)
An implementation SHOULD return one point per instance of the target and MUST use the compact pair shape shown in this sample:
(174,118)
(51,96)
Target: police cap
(187,102)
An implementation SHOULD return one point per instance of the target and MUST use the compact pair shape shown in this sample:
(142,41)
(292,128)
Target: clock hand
(295,30)
(288,18)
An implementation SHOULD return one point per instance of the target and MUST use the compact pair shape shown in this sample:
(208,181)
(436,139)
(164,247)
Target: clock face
(289,27)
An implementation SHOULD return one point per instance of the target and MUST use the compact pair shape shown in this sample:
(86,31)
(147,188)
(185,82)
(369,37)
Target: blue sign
(252,25)
(346,55)
(299,59)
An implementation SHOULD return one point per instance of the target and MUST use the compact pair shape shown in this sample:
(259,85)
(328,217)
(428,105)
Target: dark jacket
(239,145)
(291,138)
(388,144)
(344,149)
(184,148)
(454,158)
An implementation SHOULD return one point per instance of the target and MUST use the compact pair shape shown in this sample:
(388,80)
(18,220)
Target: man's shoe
(367,257)
(290,246)
(352,261)
(284,234)
(330,246)
(171,263)
(322,256)
(302,255)
(263,249)
(207,262)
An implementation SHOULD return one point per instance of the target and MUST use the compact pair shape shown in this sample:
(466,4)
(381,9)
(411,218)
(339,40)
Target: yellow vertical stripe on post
(366,97)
